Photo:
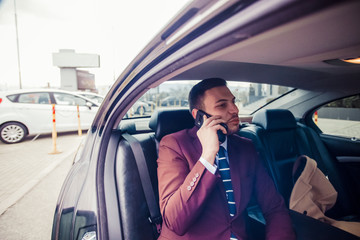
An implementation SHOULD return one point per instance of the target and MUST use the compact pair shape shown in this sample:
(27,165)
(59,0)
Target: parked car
(141,107)
(92,96)
(29,112)
(174,102)
(289,57)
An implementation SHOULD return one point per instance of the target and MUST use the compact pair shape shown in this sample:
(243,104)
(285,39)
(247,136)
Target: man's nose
(233,108)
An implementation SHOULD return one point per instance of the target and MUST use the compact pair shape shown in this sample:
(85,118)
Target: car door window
(13,98)
(33,109)
(174,94)
(340,118)
(67,99)
(35,98)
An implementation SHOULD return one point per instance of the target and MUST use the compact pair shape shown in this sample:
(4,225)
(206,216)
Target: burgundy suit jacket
(192,200)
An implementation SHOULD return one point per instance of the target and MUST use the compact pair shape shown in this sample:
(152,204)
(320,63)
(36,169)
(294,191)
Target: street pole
(17,44)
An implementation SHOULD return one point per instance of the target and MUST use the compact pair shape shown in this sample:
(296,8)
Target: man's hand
(208,137)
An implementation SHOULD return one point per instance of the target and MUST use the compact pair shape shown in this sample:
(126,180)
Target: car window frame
(74,96)
(17,97)
(308,119)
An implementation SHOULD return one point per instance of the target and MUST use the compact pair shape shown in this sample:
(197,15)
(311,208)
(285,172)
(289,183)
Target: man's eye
(222,105)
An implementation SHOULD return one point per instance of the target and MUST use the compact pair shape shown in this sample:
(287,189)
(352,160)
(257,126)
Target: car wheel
(12,132)
(141,110)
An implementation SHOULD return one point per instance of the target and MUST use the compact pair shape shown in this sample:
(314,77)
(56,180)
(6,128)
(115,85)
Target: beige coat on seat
(313,195)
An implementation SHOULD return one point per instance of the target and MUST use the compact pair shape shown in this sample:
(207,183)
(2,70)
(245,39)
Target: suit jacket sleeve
(278,222)
(182,190)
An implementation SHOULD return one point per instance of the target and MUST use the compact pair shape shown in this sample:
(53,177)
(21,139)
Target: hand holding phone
(199,120)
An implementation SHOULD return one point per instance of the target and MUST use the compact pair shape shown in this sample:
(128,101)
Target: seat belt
(155,216)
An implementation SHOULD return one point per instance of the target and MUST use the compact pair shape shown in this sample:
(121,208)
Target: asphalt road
(31,214)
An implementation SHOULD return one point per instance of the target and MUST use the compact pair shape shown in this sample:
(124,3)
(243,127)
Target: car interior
(268,128)
(281,131)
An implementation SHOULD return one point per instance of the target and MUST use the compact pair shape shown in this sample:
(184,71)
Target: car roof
(89,93)
(19,91)
(291,43)
(296,53)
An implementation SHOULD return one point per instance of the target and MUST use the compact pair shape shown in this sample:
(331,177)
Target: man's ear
(194,112)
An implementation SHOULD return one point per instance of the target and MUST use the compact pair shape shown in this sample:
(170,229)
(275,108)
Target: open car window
(340,117)
(174,94)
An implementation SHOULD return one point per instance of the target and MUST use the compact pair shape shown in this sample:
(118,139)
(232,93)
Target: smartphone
(199,120)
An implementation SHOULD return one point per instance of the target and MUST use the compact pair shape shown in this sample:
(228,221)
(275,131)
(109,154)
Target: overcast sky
(117,30)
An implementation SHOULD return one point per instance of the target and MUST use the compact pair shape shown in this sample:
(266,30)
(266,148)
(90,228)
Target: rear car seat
(280,140)
(133,207)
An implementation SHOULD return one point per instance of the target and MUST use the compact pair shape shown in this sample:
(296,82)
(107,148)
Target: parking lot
(30,182)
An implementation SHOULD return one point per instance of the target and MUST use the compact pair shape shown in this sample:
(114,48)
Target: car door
(339,126)
(67,115)
(34,110)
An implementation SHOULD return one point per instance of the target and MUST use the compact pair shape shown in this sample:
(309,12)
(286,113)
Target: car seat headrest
(168,121)
(274,119)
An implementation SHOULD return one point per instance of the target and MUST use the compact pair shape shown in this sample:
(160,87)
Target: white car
(139,108)
(29,112)
(92,96)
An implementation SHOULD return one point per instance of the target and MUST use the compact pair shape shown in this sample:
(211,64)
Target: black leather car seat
(164,122)
(274,134)
(280,140)
(133,207)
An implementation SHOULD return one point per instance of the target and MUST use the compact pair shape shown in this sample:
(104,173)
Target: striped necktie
(224,170)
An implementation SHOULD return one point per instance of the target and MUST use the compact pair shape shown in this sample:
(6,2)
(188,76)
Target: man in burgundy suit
(193,201)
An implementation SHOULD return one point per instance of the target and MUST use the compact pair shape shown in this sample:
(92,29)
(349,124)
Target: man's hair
(197,92)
